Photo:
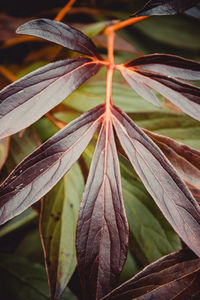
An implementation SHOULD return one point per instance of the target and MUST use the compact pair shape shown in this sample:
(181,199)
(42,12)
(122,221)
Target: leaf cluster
(115,204)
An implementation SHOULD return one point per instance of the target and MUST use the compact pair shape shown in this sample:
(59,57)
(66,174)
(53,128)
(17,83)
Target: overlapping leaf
(170,7)
(40,171)
(184,159)
(161,180)
(102,233)
(169,65)
(175,276)
(27,99)
(146,73)
(152,236)
(61,34)
(58,226)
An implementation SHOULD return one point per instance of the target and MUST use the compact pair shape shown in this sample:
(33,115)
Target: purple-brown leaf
(61,34)
(40,171)
(184,159)
(169,65)
(102,230)
(184,95)
(161,180)
(26,100)
(174,276)
(169,7)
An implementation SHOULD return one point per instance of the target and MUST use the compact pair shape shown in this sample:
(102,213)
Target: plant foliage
(102,233)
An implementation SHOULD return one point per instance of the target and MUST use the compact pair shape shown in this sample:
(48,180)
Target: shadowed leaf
(27,99)
(58,225)
(28,280)
(161,180)
(169,7)
(40,171)
(102,230)
(175,276)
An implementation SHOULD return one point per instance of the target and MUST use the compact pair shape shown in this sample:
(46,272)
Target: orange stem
(64,10)
(58,124)
(123,24)
(111,36)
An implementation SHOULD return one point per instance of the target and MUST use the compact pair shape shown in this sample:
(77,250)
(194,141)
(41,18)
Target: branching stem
(123,24)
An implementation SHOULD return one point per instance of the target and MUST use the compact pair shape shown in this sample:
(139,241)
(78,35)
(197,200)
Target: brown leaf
(175,276)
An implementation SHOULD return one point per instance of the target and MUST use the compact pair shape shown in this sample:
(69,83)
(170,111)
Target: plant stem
(109,78)
(64,10)
(111,36)
(123,24)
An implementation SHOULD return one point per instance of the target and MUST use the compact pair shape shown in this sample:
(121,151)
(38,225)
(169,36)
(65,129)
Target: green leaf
(93,93)
(95,28)
(21,279)
(58,227)
(130,268)
(22,146)
(176,126)
(152,233)
(26,217)
(45,129)
(178,31)
(4,148)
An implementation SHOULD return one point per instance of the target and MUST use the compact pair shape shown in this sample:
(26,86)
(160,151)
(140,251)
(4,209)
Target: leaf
(102,230)
(183,95)
(176,126)
(194,11)
(58,226)
(4,149)
(172,31)
(27,99)
(169,65)
(167,7)
(28,280)
(152,236)
(40,171)
(175,276)
(61,34)
(21,146)
(19,221)
(184,159)
(161,180)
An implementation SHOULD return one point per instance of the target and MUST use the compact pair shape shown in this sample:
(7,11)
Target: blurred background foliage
(21,253)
